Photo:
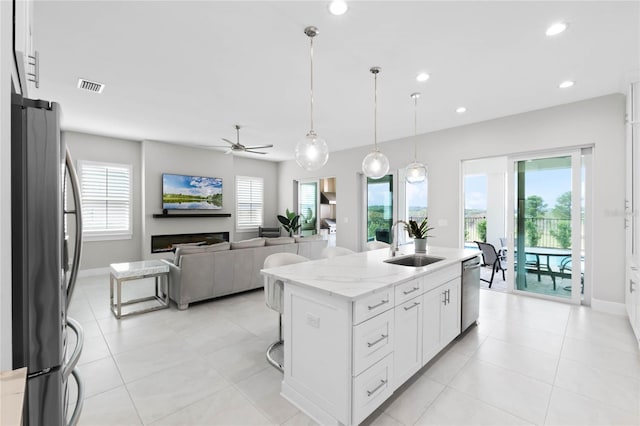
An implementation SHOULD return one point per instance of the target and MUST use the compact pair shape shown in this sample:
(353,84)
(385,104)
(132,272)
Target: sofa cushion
(253,242)
(278,241)
(181,251)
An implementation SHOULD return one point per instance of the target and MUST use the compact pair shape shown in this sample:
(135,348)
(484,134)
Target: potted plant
(419,232)
(290,222)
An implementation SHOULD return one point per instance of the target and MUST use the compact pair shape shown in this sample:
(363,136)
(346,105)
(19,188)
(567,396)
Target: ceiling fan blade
(259,147)
(228,141)
(254,152)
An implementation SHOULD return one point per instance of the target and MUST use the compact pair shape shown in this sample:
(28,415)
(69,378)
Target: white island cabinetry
(356,328)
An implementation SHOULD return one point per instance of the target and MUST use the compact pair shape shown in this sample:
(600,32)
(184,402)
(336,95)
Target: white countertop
(360,274)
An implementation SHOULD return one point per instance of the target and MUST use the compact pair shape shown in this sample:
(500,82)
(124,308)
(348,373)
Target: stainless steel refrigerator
(42,281)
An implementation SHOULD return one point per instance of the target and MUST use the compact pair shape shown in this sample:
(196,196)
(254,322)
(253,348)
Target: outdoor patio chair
(490,258)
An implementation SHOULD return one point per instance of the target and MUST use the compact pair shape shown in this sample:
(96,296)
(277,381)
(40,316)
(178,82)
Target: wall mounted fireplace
(164,243)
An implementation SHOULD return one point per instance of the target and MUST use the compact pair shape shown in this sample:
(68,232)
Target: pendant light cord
(311,55)
(415,128)
(375,109)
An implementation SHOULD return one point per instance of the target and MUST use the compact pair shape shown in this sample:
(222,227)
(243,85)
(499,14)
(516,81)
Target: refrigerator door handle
(75,356)
(77,212)
(73,421)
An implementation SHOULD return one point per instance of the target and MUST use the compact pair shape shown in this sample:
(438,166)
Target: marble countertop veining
(12,385)
(360,274)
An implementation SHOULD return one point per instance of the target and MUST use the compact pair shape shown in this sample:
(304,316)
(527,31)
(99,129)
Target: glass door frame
(576,243)
(297,200)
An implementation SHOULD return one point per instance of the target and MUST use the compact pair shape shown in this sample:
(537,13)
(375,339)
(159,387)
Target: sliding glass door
(546,244)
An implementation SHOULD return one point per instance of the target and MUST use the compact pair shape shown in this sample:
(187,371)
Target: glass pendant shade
(312,152)
(416,172)
(375,165)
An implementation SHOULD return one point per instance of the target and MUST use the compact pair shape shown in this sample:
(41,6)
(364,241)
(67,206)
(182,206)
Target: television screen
(181,192)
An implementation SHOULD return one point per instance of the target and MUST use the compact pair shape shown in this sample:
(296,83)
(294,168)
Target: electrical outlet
(313,320)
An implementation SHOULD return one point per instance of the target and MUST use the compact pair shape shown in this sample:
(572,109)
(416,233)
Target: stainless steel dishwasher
(470,292)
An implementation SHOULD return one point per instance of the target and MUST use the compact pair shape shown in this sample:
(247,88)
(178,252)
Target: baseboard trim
(92,272)
(614,308)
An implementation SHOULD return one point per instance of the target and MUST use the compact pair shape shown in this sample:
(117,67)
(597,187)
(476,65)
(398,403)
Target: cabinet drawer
(408,290)
(372,341)
(371,388)
(439,277)
(372,305)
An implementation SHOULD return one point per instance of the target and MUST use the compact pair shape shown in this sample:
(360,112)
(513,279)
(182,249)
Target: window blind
(249,202)
(106,198)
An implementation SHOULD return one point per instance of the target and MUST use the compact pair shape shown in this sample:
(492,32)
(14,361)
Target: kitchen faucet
(393,248)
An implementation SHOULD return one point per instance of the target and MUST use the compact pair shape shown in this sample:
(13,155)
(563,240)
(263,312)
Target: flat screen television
(181,192)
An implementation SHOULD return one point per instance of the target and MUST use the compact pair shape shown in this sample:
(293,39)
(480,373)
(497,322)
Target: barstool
(274,296)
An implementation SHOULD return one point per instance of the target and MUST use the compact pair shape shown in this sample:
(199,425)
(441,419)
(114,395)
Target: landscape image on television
(181,192)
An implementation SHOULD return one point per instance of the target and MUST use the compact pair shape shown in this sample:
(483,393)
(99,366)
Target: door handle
(382,337)
(411,291)
(77,201)
(374,390)
(378,305)
(406,308)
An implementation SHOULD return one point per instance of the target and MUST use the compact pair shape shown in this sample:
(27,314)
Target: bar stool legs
(275,345)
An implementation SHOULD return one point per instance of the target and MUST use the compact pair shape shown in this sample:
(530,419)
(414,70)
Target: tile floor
(528,362)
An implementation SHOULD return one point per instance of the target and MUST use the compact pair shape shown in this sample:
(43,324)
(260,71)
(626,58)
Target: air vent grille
(90,86)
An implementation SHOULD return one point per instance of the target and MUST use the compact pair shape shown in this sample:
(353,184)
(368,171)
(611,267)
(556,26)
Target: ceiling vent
(90,86)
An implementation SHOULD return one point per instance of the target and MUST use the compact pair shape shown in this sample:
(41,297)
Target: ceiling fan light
(312,152)
(375,165)
(416,172)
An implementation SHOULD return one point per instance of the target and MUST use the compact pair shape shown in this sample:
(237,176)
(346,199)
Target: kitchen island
(356,327)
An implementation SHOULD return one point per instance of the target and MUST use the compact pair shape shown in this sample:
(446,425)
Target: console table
(129,271)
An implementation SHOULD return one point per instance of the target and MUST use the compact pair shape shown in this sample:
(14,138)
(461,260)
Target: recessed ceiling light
(556,28)
(423,76)
(338,7)
(566,84)
(461,110)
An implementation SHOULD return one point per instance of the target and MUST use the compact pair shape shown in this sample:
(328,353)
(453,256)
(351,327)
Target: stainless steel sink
(415,260)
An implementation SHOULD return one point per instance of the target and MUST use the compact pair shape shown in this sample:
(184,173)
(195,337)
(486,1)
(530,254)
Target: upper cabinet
(25,54)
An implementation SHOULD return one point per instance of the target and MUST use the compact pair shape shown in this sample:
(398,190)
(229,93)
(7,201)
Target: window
(379,208)
(415,204)
(249,203)
(106,200)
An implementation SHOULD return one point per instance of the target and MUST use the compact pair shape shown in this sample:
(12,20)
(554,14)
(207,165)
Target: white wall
(598,122)
(99,254)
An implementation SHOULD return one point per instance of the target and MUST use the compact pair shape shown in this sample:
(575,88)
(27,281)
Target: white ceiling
(186,72)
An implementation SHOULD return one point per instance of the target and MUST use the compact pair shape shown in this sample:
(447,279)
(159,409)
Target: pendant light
(312,152)
(416,171)
(376,164)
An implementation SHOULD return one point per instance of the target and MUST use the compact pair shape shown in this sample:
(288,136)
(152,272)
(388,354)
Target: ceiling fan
(238,147)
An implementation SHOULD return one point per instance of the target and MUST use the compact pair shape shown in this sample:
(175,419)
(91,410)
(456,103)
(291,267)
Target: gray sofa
(203,272)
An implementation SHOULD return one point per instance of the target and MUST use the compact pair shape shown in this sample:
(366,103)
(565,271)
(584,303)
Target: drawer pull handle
(374,390)
(378,305)
(406,308)
(382,337)
(411,291)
